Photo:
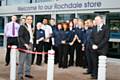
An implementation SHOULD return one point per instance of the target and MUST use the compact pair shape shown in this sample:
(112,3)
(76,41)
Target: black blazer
(23,36)
(101,39)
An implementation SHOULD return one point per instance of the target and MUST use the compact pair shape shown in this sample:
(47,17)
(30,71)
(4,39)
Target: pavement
(71,73)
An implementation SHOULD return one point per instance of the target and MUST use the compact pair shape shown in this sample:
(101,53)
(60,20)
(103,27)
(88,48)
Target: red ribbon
(31,52)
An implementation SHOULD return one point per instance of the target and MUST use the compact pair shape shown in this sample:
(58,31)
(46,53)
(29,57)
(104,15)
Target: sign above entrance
(60,5)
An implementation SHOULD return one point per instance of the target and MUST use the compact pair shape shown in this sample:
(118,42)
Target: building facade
(63,10)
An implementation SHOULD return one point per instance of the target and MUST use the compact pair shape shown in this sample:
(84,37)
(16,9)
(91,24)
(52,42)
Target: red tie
(13,29)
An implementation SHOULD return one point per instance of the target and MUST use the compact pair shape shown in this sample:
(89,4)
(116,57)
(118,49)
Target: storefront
(63,10)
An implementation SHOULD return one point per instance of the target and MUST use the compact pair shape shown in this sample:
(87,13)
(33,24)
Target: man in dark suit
(25,39)
(87,46)
(99,42)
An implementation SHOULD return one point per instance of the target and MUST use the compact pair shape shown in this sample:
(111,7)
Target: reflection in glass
(1,24)
(1,40)
(64,17)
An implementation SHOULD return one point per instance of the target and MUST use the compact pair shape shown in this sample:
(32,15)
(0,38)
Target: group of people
(88,39)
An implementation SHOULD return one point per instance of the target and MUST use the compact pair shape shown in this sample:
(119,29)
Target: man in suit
(11,33)
(99,42)
(86,42)
(25,39)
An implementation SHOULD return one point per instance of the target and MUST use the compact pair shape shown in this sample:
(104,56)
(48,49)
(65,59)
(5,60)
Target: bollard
(50,69)
(102,68)
(13,63)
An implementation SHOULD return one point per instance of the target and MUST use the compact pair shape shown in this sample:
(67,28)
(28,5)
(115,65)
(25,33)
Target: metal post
(50,69)
(13,63)
(102,68)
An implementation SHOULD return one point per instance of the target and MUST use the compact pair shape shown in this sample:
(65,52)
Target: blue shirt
(40,33)
(57,37)
(71,35)
(65,36)
(88,36)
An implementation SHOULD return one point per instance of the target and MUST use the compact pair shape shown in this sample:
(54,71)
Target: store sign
(58,5)
(61,6)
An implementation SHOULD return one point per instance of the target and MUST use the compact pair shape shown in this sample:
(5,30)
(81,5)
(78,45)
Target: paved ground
(71,73)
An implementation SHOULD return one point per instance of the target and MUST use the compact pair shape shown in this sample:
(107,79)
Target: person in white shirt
(48,33)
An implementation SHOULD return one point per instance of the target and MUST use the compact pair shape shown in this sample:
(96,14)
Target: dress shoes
(29,76)
(70,65)
(6,64)
(93,77)
(39,64)
(87,73)
(17,64)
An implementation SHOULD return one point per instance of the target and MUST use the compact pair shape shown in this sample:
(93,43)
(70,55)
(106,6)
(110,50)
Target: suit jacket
(23,36)
(100,38)
(87,36)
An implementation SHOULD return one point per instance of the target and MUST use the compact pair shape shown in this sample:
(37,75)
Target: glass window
(1,40)
(64,17)
(14,2)
(0,3)
(113,21)
(18,18)
(86,16)
(1,30)
(39,18)
(1,24)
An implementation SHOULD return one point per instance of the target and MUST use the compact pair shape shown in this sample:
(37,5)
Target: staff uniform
(39,48)
(57,41)
(63,50)
(71,48)
(78,47)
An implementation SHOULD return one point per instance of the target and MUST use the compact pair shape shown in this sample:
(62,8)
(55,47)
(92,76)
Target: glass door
(64,17)
(113,22)
(1,30)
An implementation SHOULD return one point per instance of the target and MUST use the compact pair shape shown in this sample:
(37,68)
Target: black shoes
(70,65)
(87,73)
(39,64)
(29,76)
(94,76)
(6,64)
